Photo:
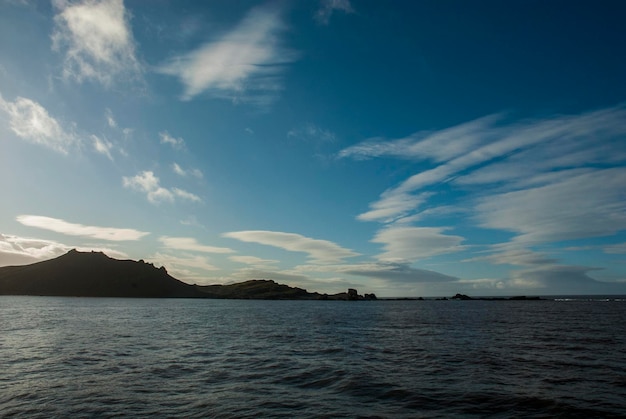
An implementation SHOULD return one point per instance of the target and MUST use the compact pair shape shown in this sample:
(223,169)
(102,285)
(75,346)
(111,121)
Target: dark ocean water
(79,357)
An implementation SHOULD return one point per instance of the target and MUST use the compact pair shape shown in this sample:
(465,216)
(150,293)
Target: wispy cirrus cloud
(146,182)
(312,133)
(575,205)
(247,61)
(438,146)
(73,229)
(329,7)
(31,122)
(191,244)
(319,251)
(102,146)
(488,151)
(97,41)
(197,173)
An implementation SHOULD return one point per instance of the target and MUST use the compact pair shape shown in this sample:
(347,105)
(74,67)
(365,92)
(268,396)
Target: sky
(402,148)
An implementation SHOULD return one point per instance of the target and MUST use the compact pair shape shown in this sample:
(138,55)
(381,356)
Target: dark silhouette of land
(93,274)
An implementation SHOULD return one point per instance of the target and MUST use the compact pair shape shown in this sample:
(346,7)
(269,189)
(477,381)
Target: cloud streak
(408,244)
(576,205)
(191,244)
(489,151)
(72,229)
(319,251)
(247,60)
(197,173)
(252,260)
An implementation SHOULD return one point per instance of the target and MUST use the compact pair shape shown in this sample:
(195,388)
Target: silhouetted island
(94,274)
(516,298)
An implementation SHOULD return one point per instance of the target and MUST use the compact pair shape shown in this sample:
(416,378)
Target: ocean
(106,357)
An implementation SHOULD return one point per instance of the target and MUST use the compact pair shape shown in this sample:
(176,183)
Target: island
(94,274)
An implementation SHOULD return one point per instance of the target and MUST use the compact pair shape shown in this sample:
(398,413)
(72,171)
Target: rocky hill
(93,274)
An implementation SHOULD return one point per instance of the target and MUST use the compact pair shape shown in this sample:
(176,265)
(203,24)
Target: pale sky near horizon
(405,148)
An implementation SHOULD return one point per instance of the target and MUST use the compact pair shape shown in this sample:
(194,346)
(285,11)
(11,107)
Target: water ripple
(73,357)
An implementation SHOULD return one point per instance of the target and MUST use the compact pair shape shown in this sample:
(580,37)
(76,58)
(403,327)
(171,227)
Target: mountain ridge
(94,274)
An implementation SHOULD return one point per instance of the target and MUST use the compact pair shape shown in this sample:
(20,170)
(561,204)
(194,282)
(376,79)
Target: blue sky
(401,148)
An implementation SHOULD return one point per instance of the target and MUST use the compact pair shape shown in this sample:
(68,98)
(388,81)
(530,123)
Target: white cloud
(328,7)
(393,206)
(405,244)
(31,122)
(72,229)
(96,39)
(252,260)
(185,267)
(247,60)
(16,250)
(146,182)
(176,143)
(102,146)
(178,170)
(320,251)
(191,244)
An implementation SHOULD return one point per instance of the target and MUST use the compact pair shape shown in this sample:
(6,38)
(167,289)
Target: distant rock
(524,298)
(259,289)
(461,297)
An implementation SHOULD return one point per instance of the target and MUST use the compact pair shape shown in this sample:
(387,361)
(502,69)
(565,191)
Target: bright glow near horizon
(403,148)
